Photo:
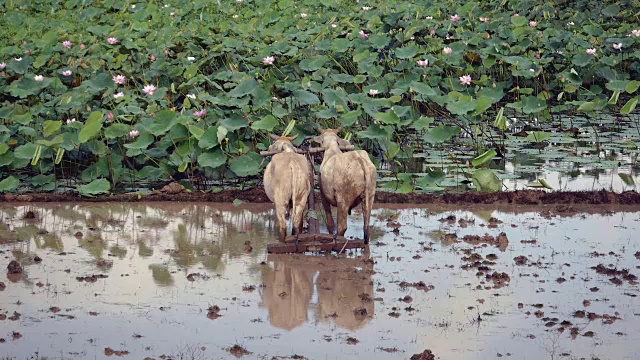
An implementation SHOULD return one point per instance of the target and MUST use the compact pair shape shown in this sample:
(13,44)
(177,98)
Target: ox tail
(366,206)
(294,191)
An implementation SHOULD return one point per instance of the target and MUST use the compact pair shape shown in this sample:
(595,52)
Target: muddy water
(160,267)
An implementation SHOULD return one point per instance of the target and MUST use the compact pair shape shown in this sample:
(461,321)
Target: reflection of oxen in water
(344,293)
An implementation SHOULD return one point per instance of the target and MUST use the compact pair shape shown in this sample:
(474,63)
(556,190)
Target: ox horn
(319,128)
(347,148)
(316,150)
(274,137)
(339,128)
(269,153)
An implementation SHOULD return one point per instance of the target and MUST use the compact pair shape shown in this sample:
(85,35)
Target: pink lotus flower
(112,41)
(71,121)
(66,44)
(432,32)
(303,15)
(363,34)
(118,95)
(591,51)
(199,114)
(429,18)
(559,52)
(110,116)
(235,16)
(570,24)
(81,46)
(27,52)
(635,33)
(423,63)
(268,60)
(455,18)
(516,14)
(166,52)
(191,96)
(38,78)
(483,19)
(134,133)
(152,57)
(373,92)
(465,80)
(533,23)
(366,8)
(447,50)
(617,46)
(67,73)
(2,66)
(149,89)
(119,79)
(538,56)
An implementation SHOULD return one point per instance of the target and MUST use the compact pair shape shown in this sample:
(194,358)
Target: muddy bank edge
(257,195)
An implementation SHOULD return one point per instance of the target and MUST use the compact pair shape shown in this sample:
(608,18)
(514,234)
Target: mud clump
(172,188)
(364,297)
(352,340)
(14,267)
(213,312)
(360,313)
(37,259)
(451,219)
(54,309)
(637,255)
(78,235)
(420,285)
(2,286)
(247,247)
(104,264)
(110,352)
(615,274)
(501,241)
(528,241)
(493,223)
(520,260)
(425,355)
(408,299)
(91,278)
(29,215)
(238,351)
(16,335)
(499,279)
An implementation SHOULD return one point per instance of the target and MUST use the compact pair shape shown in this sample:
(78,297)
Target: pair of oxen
(347,178)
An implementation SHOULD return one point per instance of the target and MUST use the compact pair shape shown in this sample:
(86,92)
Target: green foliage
(216,96)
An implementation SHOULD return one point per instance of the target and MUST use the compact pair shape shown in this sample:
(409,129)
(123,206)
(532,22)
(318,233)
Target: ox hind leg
(282,221)
(343,212)
(367,205)
(327,212)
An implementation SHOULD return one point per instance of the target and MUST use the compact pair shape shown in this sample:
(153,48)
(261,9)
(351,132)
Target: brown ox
(346,180)
(286,182)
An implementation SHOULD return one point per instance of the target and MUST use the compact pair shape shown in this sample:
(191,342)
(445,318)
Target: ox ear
(343,143)
(318,128)
(317,139)
(274,137)
(339,128)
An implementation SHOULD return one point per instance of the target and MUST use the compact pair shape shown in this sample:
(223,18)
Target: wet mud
(257,195)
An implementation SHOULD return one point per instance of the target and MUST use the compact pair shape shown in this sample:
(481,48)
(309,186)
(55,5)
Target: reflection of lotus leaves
(161,275)
(118,251)
(340,288)
(144,250)
(93,244)
(51,241)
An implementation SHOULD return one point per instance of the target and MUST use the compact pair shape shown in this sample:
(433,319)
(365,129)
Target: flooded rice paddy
(193,281)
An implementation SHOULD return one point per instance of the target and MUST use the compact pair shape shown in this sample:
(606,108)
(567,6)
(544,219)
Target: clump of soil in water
(238,351)
(637,255)
(248,288)
(499,279)
(78,235)
(408,299)
(451,219)
(352,340)
(29,215)
(104,264)
(247,247)
(91,278)
(501,242)
(425,355)
(213,312)
(450,238)
(420,285)
(2,286)
(614,272)
(365,297)
(54,309)
(520,260)
(389,350)
(110,352)
(37,259)
(16,335)
(360,313)
(528,241)
(14,267)
(493,223)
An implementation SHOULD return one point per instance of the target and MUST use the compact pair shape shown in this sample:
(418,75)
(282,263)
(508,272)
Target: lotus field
(113,96)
